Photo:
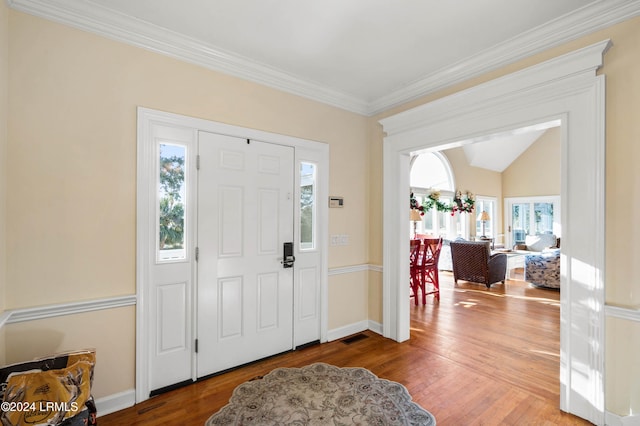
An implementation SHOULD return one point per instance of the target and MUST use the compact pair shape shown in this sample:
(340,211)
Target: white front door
(245,215)
(238,299)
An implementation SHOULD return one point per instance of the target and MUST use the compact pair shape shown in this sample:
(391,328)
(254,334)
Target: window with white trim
(432,172)
(171,202)
(307,206)
(489,205)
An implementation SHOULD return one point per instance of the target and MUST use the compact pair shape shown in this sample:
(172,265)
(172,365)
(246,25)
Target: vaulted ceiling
(364,56)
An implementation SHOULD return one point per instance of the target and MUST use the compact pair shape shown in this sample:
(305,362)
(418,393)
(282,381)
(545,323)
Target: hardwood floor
(478,357)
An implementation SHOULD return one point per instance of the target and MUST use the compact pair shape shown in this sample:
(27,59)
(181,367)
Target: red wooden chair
(428,267)
(414,270)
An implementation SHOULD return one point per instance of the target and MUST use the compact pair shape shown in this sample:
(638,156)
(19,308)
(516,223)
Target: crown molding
(584,61)
(97,19)
(569,27)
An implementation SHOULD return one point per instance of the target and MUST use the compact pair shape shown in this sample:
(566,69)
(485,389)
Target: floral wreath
(461,204)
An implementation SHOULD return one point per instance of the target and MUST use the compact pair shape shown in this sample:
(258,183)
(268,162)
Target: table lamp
(483,217)
(415,217)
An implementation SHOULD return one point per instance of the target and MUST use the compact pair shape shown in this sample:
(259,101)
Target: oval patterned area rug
(321,394)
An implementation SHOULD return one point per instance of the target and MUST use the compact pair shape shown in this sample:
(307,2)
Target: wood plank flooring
(478,357)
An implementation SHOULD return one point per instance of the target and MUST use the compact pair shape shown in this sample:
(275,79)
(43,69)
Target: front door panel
(245,214)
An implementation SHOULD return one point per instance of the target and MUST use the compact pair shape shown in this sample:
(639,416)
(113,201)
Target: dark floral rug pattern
(321,394)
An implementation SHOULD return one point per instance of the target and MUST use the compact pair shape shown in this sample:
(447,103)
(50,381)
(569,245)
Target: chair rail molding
(629,314)
(565,88)
(355,268)
(71,308)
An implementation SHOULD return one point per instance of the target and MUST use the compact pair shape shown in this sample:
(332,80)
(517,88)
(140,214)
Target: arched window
(431,172)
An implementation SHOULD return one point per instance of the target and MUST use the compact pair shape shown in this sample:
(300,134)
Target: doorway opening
(566,89)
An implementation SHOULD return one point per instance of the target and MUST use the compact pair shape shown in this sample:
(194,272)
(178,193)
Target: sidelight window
(308,204)
(171,203)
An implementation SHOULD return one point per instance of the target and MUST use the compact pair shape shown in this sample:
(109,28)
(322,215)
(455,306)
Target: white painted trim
(92,17)
(347,330)
(612,419)
(630,314)
(116,402)
(148,117)
(108,23)
(566,88)
(356,327)
(355,268)
(593,17)
(71,308)
(4,318)
(375,268)
(403,128)
(348,269)
(375,326)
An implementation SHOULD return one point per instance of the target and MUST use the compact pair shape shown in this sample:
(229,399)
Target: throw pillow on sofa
(540,242)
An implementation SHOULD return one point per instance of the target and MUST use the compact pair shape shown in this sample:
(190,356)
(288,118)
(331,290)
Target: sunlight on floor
(465,304)
(553,354)
(511,296)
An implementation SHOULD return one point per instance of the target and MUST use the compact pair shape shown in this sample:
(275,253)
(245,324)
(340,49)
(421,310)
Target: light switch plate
(336,202)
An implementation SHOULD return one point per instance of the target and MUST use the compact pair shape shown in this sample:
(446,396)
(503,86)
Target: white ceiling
(497,152)
(364,56)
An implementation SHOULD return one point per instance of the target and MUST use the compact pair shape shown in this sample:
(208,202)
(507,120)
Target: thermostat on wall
(336,201)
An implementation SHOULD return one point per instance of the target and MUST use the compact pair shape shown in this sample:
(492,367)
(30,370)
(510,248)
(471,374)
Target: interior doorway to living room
(513,176)
(569,89)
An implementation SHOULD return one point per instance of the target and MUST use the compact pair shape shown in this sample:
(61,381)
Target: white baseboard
(116,402)
(616,420)
(376,327)
(356,327)
(347,330)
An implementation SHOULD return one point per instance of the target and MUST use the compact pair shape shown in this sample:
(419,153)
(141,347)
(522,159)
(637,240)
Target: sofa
(538,243)
(543,269)
(534,245)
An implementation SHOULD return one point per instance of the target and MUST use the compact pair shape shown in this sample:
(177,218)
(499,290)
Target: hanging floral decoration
(462,203)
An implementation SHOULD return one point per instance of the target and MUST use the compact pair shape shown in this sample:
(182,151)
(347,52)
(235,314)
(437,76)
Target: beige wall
(476,180)
(105,331)
(536,171)
(72,148)
(72,175)
(348,294)
(622,70)
(374,217)
(4,110)
(375,296)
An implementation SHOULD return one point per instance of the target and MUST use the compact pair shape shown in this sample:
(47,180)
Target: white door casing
(170,281)
(565,88)
(245,215)
(310,273)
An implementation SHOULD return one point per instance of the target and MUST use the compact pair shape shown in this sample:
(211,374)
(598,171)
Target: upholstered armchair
(473,261)
(543,270)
